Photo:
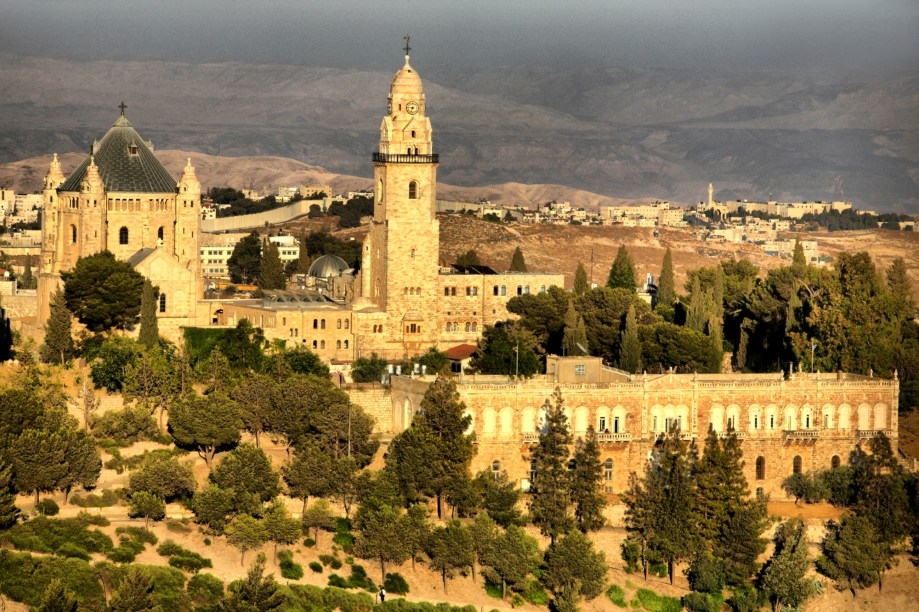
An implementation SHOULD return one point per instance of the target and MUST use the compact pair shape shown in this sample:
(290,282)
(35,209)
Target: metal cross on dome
(122,106)
(407,38)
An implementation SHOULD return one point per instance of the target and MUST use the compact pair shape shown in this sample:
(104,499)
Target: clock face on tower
(411,107)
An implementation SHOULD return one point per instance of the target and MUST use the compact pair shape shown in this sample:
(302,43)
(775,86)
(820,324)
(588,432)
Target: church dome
(328,265)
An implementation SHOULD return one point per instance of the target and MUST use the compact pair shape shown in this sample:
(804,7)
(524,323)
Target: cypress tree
(630,345)
(666,287)
(900,290)
(517,262)
(697,312)
(716,346)
(585,483)
(149,327)
(28,280)
(9,513)
(798,262)
(622,272)
(550,498)
(271,275)
(58,346)
(718,294)
(303,259)
(575,331)
(581,285)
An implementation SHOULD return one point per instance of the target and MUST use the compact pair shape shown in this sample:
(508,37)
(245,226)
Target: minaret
(711,191)
(400,262)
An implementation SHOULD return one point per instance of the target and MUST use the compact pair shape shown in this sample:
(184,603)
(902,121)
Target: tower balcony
(404,158)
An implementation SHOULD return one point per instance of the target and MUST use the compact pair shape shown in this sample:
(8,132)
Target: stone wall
(270,217)
(376,400)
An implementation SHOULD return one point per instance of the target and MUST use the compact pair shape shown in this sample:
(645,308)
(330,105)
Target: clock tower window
(413,190)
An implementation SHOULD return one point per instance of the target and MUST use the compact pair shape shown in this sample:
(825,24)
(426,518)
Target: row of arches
(499,423)
(453,326)
(792,417)
(124,235)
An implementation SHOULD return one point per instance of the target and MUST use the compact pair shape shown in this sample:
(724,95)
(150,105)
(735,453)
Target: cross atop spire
(407,38)
(122,106)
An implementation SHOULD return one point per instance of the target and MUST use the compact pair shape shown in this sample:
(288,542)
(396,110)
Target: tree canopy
(103,292)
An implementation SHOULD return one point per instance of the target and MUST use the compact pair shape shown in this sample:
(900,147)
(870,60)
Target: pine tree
(581,284)
(255,592)
(622,272)
(900,290)
(550,499)
(574,568)
(784,577)
(585,483)
(57,598)
(271,275)
(666,287)
(517,262)
(630,344)
(134,592)
(575,331)
(58,346)
(854,554)
(718,295)
(149,327)
(9,513)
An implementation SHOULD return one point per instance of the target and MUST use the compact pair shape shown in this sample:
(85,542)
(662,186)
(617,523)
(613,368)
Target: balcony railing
(801,434)
(614,437)
(403,158)
(529,438)
(867,434)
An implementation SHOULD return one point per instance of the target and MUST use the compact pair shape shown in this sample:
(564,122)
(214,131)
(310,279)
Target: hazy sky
(810,34)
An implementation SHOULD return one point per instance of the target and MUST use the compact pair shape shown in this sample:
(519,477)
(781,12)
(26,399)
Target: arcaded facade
(787,423)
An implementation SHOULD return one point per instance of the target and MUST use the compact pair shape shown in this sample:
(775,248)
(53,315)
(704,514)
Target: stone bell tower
(400,259)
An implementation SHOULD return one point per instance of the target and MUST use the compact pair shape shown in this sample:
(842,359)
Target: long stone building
(787,423)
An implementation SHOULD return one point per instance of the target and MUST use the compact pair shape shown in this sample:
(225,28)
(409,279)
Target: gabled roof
(125,163)
(460,352)
(136,259)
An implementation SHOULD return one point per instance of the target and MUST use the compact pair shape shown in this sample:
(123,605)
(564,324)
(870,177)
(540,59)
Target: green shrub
(359,578)
(309,542)
(192,562)
(177,526)
(47,507)
(653,602)
(207,541)
(631,554)
(746,599)
(25,578)
(616,595)
(337,581)
(345,540)
(658,569)
(71,550)
(493,589)
(122,554)
(205,589)
(168,586)
(87,518)
(130,425)
(291,570)
(48,535)
(698,602)
(336,563)
(326,559)
(534,593)
(395,584)
(107,499)
(138,534)
(316,566)
(169,548)
(706,574)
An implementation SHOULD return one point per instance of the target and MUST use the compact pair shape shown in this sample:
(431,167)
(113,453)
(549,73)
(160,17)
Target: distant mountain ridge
(624,133)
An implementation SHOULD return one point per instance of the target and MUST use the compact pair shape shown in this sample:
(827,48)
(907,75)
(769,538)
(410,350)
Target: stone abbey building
(786,423)
(403,300)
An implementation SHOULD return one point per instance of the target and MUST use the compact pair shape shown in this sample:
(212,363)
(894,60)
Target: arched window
(474,326)
(162,302)
(346,344)
(796,465)
(496,468)
(159,233)
(322,344)
(123,235)
(503,290)
(73,234)
(608,476)
(315,323)
(413,190)
(468,325)
(322,324)
(338,344)
(760,468)
(315,344)
(760,492)
(834,462)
